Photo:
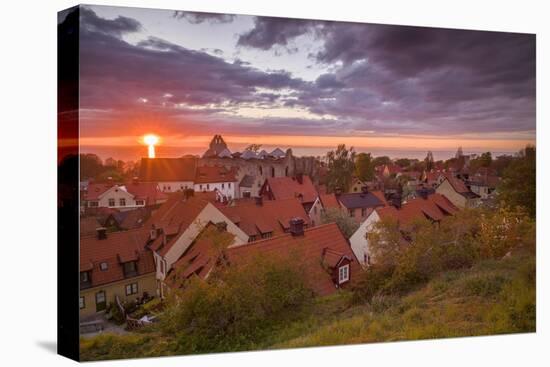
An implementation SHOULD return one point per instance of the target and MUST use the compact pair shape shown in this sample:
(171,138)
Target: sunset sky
(303,84)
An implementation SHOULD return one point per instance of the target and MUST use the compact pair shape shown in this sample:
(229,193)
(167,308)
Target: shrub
(370,283)
(237,307)
(483,286)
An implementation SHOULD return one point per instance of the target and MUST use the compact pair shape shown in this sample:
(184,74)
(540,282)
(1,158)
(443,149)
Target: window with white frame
(93,204)
(111,202)
(140,202)
(103,266)
(82,303)
(343,274)
(131,289)
(122,202)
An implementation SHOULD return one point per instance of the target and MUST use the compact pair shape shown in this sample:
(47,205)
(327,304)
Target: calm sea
(126,153)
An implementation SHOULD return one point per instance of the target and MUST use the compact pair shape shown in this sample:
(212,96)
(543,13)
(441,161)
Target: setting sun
(151,140)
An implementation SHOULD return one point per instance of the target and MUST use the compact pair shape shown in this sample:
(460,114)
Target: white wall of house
(445,188)
(118,198)
(359,240)
(174,186)
(315,212)
(227,189)
(209,214)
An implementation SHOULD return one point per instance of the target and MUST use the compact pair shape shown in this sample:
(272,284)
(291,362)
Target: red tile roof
(95,190)
(271,216)
(317,250)
(175,216)
(329,201)
(118,247)
(201,257)
(167,169)
(290,187)
(435,207)
(148,191)
(213,174)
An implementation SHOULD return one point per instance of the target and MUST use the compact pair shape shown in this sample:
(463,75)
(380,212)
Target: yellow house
(114,265)
(458,193)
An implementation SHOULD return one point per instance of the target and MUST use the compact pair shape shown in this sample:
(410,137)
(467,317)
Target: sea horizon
(134,153)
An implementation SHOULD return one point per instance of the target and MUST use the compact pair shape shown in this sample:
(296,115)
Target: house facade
(458,193)
(114,266)
(360,205)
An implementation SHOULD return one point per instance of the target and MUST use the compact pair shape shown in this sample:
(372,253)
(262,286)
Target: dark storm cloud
(269,32)
(117,27)
(387,79)
(197,18)
(118,74)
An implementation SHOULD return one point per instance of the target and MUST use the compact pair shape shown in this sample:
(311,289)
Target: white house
(112,196)
(216,178)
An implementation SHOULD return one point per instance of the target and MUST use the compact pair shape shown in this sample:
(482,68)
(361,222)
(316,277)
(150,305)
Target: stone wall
(261,169)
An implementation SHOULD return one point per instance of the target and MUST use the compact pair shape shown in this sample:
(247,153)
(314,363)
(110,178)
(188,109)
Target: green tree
(238,306)
(429,161)
(518,186)
(364,168)
(90,166)
(347,225)
(341,166)
(380,161)
(403,162)
(486,159)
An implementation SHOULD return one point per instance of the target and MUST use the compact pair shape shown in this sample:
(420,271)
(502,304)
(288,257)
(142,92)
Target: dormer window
(343,274)
(130,269)
(85,280)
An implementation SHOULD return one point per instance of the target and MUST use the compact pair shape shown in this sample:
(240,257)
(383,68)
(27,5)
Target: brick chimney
(101,233)
(297,227)
(259,200)
(365,189)
(423,193)
(300,178)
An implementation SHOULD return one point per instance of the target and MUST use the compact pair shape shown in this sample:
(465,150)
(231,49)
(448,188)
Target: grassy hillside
(493,297)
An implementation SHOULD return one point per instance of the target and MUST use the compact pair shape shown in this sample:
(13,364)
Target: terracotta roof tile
(213,174)
(316,243)
(116,248)
(329,201)
(256,219)
(290,187)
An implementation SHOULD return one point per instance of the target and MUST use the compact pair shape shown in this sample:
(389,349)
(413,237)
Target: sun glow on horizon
(151,140)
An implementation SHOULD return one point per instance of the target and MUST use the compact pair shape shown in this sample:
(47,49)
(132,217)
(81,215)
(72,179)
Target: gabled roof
(277,153)
(272,216)
(263,154)
(175,216)
(201,256)
(95,190)
(167,169)
(318,243)
(118,247)
(329,201)
(147,191)
(435,207)
(460,187)
(248,154)
(213,174)
(360,200)
(290,187)
(226,153)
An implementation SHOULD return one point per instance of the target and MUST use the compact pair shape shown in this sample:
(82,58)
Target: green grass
(493,297)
